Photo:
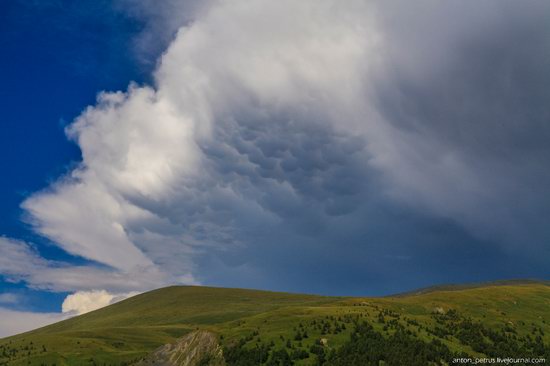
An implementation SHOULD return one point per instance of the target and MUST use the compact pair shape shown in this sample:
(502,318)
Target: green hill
(260,327)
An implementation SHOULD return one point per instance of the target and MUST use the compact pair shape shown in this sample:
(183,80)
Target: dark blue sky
(257,158)
(57,55)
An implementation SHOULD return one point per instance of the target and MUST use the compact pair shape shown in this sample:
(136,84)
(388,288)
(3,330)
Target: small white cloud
(85,301)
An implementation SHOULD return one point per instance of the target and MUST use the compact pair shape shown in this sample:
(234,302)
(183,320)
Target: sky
(317,146)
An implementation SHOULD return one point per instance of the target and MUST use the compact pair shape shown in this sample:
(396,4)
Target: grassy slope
(134,327)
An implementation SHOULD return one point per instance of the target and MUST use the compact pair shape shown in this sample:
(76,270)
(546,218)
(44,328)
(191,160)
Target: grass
(130,329)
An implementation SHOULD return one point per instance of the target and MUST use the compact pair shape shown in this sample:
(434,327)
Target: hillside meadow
(260,327)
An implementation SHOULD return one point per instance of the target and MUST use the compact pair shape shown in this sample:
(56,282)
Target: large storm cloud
(326,146)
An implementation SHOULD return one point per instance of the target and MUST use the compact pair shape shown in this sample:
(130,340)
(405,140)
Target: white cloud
(20,262)
(85,301)
(132,147)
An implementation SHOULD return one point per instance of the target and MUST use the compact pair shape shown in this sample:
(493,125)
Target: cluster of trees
(503,342)
(366,346)
(391,340)
(369,347)
(330,325)
(240,355)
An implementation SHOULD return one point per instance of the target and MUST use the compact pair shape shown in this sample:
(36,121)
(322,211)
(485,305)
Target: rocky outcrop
(198,348)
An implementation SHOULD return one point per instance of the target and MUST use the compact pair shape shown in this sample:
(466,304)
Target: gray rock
(198,348)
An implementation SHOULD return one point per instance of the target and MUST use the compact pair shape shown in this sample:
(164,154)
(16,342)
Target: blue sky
(359,149)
